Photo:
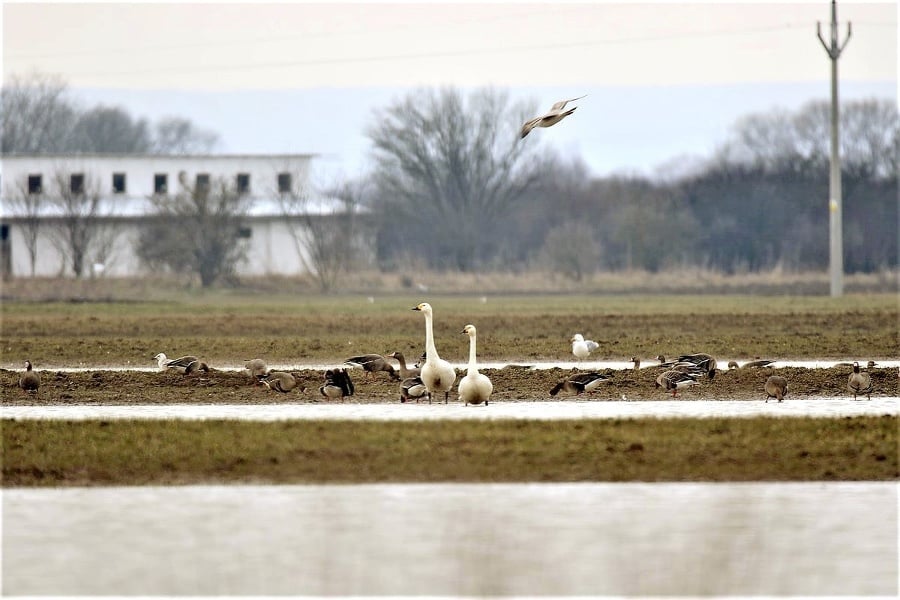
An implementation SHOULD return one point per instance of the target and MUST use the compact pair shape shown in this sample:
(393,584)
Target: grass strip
(84,453)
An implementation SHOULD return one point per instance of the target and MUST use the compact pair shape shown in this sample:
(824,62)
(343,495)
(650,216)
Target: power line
(295,37)
(436,54)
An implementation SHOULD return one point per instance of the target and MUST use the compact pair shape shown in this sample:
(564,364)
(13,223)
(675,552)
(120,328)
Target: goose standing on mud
(437,374)
(582,382)
(29,381)
(475,387)
(551,117)
(371,364)
(776,387)
(412,388)
(674,380)
(405,372)
(860,382)
(185,364)
(581,347)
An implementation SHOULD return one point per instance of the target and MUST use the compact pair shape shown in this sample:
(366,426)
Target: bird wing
(591,345)
(183,362)
(562,103)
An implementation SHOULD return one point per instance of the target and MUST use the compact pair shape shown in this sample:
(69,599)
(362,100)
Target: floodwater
(687,539)
(568,365)
(544,410)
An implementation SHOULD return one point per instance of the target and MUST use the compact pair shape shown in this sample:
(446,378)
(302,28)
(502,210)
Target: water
(567,365)
(566,409)
(454,539)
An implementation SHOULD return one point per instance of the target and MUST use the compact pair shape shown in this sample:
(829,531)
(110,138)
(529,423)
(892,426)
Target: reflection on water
(454,539)
(809,407)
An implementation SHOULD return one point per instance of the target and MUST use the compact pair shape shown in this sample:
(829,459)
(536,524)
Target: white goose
(437,374)
(475,387)
(581,347)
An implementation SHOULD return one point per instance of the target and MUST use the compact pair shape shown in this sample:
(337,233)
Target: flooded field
(808,407)
(687,539)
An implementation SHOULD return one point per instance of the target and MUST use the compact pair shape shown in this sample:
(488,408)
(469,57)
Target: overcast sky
(229,50)
(231,46)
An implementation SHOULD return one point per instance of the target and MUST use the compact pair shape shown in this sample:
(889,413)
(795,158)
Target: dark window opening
(243,183)
(160,183)
(35,185)
(76,183)
(4,232)
(118,183)
(245,232)
(284,183)
(202,182)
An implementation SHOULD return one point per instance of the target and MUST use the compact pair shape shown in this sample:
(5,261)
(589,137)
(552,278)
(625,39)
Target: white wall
(271,248)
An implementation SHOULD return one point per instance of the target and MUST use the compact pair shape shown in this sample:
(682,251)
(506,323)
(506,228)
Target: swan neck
(429,340)
(473,366)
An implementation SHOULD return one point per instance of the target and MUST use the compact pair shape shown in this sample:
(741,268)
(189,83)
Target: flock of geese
(436,375)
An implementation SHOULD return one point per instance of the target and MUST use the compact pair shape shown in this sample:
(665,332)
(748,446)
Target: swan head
(469,330)
(423,307)
(577,338)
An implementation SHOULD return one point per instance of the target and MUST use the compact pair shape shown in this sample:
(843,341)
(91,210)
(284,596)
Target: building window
(160,183)
(118,183)
(35,185)
(202,182)
(243,183)
(76,183)
(284,183)
(245,232)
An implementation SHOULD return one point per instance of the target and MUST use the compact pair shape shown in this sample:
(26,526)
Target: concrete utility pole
(836,253)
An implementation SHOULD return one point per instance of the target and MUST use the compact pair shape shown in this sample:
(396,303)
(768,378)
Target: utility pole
(836,252)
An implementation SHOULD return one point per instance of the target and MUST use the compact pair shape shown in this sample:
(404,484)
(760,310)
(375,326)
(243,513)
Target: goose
(279,381)
(337,384)
(372,363)
(871,364)
(581,347)
(475,387)
(702,361)
(673,380)
(751,364)
(405,372)
(185,364)
(581,382)
(412,388)
(437,374)
(256,368)
(776,387)
(551,117)
(29,381)
(859,382)
(637,362)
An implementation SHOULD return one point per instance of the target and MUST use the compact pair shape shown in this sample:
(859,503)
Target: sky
(663,80)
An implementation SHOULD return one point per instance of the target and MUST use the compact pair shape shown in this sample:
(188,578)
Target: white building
(126,185)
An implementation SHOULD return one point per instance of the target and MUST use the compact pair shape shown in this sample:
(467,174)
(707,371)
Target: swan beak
(416,308)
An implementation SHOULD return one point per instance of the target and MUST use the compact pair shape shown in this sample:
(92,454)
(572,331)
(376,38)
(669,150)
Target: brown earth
(511,384)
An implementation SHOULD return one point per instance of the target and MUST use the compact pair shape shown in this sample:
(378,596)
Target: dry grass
(47,453)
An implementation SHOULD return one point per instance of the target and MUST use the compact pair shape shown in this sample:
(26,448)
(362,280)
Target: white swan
(437,374)
(582,348)
(475,387)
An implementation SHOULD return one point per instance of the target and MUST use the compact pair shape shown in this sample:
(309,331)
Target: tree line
(454,188)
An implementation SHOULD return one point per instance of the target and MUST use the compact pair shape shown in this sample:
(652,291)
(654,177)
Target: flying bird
(553,116)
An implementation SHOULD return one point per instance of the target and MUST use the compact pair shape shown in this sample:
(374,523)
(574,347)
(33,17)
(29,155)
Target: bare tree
(446,171)
(110,129)
(37,115)
(28,206)
(327,230)
(174,135)
(572,249)
(78,201)
(197,231)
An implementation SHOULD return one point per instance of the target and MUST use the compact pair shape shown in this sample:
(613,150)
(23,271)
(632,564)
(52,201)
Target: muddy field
(511,384)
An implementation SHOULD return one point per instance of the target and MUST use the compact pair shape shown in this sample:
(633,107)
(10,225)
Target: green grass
(54,453)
